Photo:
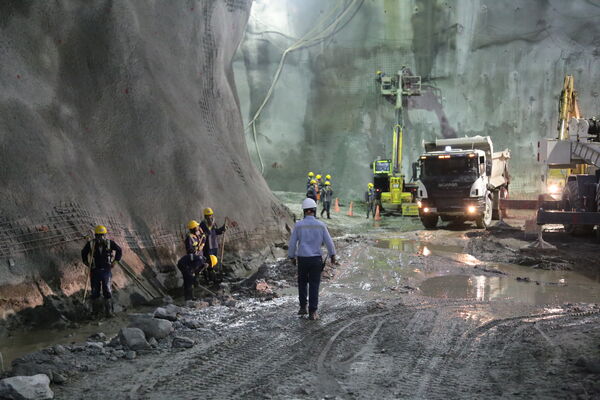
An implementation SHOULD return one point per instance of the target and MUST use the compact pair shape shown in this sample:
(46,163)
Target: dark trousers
(188,269)
(326,208)
(101,279)
(309,277)
(370,208)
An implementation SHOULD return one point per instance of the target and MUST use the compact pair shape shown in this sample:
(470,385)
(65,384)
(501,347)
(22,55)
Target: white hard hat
(308,203)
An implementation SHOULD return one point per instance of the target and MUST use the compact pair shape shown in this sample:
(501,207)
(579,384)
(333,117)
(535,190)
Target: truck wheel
(485,220)
(499,194)
(429,221)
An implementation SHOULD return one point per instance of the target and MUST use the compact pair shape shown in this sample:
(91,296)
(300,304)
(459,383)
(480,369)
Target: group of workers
(202,247)
(320,191)
(100,255)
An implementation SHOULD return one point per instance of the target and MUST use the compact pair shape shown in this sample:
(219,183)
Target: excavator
(391,189)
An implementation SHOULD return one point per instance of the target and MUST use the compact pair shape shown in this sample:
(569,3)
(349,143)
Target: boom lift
(390,186)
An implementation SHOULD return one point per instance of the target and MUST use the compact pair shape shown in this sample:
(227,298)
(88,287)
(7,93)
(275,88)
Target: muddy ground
(409,313)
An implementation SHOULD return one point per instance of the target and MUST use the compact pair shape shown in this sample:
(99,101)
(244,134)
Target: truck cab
(461,182)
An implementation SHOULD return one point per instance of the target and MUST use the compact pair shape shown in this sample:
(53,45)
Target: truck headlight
(419,204)
(471,209)
(554,189)
(426,210)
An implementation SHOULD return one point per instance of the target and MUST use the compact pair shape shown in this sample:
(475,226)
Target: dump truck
(461,179)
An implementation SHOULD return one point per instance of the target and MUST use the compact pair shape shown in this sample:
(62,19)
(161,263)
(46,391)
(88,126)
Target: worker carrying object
(311,176)
(370,199)
(100,255)
(193,262)
(319,180)
(305,250)
(211,231)
(326,198)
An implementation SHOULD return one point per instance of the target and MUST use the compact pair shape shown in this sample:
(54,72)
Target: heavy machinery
(462,179)
(571,162)
(389,182)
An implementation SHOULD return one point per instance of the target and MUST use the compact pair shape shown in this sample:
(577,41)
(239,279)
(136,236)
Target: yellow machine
(389,182)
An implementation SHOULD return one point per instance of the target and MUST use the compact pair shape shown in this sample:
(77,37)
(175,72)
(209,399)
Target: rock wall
(488,67)
(123,113)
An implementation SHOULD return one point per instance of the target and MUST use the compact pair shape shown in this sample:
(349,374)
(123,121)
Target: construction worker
(311,176)
(305,250)
(100,255)
(326,197)
(370,199)
(328,178)
(211,231)
(311,191)
(194,260)
(319,178)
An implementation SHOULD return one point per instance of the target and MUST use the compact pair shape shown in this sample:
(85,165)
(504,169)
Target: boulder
(130,355)
(153,327)
(59,350)
(133,338)
(169,312)
(26,387)
(95,348)
(182,342)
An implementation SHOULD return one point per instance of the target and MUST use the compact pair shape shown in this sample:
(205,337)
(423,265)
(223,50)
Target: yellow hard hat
(378,72)
(318,176)
(208,211)
(371,185)
(193,224)
(213,260)
(328,177)
(327,183)
(312,181)
(311,174)
(100,230)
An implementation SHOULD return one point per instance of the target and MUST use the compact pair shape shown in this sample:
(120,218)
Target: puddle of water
(485,288)
(24,342)
(377,271)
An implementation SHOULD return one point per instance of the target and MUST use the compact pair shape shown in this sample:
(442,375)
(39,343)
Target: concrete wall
(488,67)
(122,113)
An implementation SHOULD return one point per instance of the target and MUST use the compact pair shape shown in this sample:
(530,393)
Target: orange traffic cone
(336,208)
(350,213)
(377,215)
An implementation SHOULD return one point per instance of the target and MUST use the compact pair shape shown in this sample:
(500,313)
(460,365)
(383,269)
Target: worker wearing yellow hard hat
(194,260)
(370,199)
(100,255)
(311,176)
(326,198)
(212,232)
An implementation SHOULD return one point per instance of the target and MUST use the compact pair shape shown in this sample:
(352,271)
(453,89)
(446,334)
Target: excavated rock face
(122,113)
(488,67)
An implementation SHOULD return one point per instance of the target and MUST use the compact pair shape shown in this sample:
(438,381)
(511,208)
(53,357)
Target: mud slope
(122,113)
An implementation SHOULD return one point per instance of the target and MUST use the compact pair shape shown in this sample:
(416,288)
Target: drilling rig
(391,188)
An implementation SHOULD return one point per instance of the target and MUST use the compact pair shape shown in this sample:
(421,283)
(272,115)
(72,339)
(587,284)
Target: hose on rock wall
(318,33)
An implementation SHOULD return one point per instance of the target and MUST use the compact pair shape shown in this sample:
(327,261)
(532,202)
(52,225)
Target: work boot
(313,316)
(108,308)
(303,310)
(96,307)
